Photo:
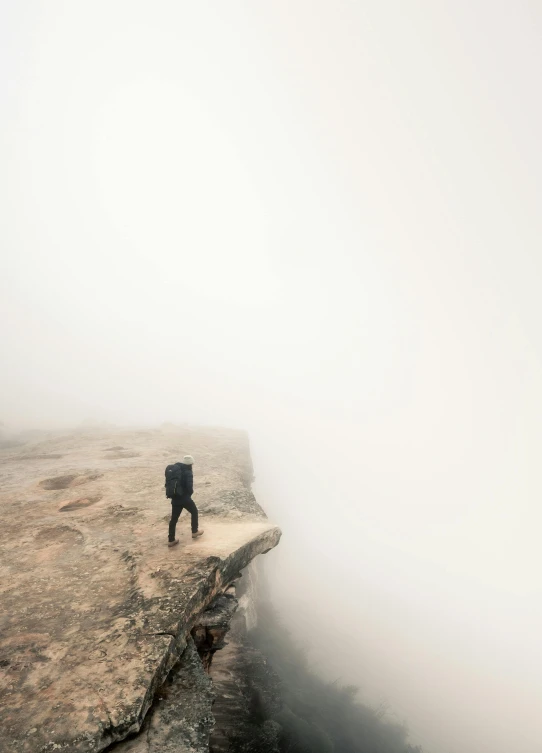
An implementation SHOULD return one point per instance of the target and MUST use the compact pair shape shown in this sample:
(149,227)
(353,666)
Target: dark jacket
(187,485)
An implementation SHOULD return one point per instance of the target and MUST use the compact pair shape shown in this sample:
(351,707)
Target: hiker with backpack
(179,489)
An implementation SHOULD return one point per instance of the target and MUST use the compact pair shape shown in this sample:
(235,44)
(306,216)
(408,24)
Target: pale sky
(318,221)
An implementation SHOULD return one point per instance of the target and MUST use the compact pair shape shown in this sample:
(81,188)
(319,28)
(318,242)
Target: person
(182,500)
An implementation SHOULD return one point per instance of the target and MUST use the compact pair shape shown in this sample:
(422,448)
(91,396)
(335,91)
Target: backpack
(174,480)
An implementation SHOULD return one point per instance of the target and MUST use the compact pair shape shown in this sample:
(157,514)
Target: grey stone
(180,719)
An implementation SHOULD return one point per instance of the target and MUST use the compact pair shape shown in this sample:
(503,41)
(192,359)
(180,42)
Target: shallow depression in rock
(65,482)
(77,504)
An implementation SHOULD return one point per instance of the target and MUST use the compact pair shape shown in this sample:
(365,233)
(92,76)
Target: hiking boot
(172,543)
(197,534)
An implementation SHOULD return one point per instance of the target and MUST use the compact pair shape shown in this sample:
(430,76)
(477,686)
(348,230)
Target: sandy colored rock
(95,607)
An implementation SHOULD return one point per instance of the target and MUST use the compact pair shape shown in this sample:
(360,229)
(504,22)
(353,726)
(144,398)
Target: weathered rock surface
(212,625)
(229,712)
(180,720)
(96,609)
(246,689)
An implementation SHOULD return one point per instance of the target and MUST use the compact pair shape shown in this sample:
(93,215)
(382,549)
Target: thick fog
(320,222)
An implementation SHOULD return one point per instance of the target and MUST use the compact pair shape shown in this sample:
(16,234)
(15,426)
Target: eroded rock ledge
(201,708)
(96,609)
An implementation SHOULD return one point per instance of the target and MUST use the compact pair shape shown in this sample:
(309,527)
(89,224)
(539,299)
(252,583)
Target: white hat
(188,460)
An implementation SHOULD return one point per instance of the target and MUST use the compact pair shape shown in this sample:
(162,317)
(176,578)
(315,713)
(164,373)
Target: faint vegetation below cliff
(317,716)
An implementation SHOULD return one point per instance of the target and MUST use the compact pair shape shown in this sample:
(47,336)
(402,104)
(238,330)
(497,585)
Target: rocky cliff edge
(96,609)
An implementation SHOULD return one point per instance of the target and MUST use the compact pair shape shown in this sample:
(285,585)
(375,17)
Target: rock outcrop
(212,626)
(100,619)
(247,690)
(221,694)
(180,719)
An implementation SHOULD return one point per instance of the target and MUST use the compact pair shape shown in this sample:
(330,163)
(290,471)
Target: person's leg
(176,509)
(193,510)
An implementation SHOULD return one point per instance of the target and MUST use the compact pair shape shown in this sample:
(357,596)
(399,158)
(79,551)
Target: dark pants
(177,506)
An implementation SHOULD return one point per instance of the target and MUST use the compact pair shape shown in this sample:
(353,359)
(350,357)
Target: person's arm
(189,483)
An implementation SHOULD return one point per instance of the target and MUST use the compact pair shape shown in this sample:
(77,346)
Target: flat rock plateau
(96,609)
